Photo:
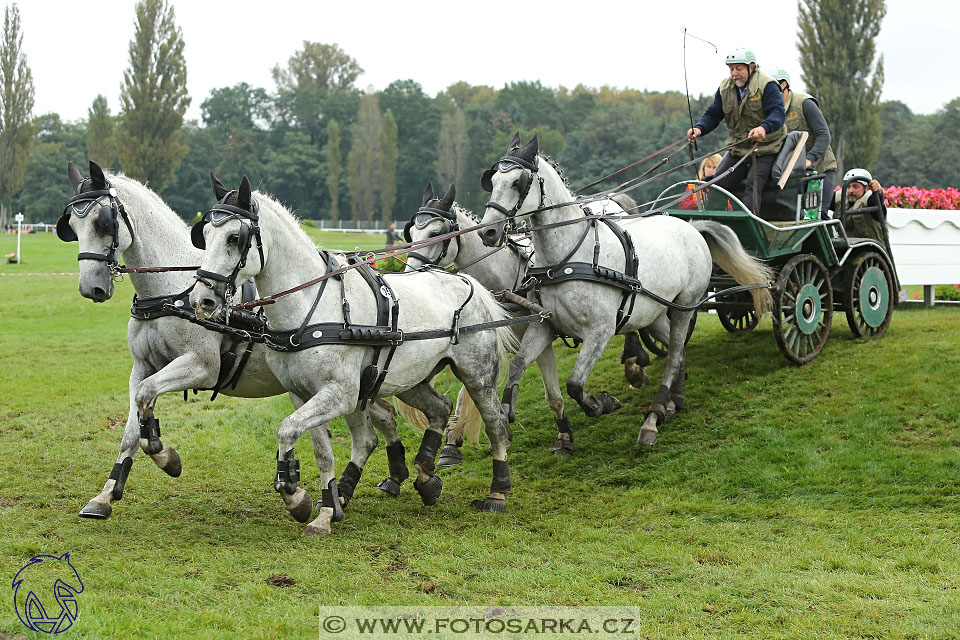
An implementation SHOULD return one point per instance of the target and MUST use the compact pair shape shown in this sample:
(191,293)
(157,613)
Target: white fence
(926,247)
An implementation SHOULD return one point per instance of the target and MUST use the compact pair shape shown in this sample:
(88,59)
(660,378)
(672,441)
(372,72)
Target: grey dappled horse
(253,235)
(674,262)
(502,269)
(169,353)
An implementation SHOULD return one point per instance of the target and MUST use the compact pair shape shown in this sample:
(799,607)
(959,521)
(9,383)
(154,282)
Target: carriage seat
(781,204)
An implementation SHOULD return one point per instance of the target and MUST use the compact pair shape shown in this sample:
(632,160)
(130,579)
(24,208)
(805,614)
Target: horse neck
(495,271)
(553,245)
(290,259)
(160,239)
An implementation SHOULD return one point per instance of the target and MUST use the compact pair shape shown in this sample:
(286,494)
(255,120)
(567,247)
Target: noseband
(524,182)
(106,222)
(220,214)
(423,217)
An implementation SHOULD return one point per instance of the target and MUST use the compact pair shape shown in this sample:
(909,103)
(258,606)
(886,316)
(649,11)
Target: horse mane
(458,209)
(134,189)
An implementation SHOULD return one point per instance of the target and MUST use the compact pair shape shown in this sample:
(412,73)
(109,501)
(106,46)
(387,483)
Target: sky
(77,50)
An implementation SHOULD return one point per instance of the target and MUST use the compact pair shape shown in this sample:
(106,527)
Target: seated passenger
(708,169)
(862,191)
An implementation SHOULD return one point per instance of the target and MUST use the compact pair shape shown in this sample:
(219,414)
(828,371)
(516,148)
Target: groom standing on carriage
(750,103)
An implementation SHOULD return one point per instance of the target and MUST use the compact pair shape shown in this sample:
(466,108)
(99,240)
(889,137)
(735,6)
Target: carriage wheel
(869,299)
(802,308)
(739,320)
(661,349)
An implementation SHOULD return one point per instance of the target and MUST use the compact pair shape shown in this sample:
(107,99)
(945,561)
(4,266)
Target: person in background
(803,114)
(391,234)
(750,103)
(863,190)
(708,169)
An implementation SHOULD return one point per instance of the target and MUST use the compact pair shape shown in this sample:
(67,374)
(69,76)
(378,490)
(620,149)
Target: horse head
(434,217)
(226,234)
(92,219)
(510,182)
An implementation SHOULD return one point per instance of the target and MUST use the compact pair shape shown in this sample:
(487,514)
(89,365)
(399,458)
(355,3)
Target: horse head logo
(51,580)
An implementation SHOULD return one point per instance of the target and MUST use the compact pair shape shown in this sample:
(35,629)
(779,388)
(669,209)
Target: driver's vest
(865,226)
(796,122)
(742,115)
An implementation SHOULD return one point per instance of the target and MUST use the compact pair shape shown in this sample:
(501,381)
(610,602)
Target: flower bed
(914,198)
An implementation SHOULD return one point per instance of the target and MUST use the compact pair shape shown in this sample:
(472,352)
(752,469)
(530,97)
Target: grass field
(783,502)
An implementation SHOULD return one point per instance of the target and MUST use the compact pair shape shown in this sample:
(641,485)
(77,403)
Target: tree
(237,108)
(16,105)
(296,175)
(388,165)
(190,192)
(317,64)
(837,49)
(334,163)
(363,161)
(101,140)
(453,147)
(154,97)
(45,188)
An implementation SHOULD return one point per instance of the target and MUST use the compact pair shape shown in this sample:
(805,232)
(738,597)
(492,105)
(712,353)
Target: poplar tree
(154,97)
(453,146)
(334,165)
(837,43)
(363,161)
(101,138)
(388,165)
(16,106)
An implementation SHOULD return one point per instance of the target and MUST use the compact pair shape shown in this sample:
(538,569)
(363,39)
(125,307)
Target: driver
(863,190)
(750,103)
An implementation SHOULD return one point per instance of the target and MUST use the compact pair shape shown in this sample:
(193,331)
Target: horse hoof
(490,505)
(563,448)
(302,511)
(647,437)
(390,487)
(172,467)
(314,529)
(450,456)
(608,403)
(96,510)
(635,375)
(430,490)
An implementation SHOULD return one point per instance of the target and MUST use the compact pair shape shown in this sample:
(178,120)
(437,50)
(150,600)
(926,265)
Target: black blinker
(105,219)
(486,179)
(406,231)
(243,239)
(196,235)
(64,231)
(523,183)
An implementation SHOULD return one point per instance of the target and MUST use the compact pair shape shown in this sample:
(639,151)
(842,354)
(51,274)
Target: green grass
(783,502)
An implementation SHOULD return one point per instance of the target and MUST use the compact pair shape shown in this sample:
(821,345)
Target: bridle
(424,216)
(220,214)
(106,223)
(523,184)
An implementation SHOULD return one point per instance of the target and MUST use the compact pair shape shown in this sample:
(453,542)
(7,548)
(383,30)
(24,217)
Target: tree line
(332,151)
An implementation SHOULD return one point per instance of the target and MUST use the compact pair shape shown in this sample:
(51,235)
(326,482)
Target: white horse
(584,258)
(253,235)
(169,353)
(503,269)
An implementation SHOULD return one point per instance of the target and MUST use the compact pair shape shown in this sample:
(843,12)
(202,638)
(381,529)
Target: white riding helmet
(741,56)
(782,74)
(858,175)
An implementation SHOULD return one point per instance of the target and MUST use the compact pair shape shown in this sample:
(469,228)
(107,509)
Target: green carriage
(820,269)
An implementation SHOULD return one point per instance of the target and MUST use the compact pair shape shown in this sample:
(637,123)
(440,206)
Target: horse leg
(314,414)
(184,372)
(99,506)
(660,330)
(634,360)
(436,407)
(536,338)
(363,441)
(482,387)
(590,352)
(385,420)
(547,363)
(450,455)
(671,386)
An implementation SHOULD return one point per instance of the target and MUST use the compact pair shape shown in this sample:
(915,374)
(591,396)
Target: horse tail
(627,203)
(466,417)
(727,251)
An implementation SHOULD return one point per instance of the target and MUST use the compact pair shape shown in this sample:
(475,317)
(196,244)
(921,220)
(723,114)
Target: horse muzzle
(492,236)
(207,301)
(98,288)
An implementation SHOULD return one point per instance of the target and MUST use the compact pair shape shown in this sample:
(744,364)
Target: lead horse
(347,338)
(591,271)
(125,218)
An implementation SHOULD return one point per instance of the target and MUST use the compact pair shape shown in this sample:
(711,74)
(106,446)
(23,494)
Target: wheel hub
(808,309)
(874,296)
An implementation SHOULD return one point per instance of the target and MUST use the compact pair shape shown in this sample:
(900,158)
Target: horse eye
(516,184)
(233,238)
